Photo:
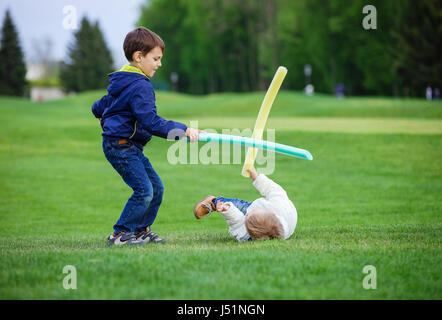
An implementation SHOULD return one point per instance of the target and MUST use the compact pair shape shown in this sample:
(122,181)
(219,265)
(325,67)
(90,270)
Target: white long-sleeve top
(275,200)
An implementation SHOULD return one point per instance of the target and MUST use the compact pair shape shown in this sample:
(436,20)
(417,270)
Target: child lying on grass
(273,216)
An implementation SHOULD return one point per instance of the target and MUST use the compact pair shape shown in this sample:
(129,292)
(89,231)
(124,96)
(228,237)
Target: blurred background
(50,48)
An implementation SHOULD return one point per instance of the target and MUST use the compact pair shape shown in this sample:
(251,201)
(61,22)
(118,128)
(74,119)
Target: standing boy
(128,116)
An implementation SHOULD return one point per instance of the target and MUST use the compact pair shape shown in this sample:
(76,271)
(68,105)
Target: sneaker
(149,236)
(122,238)
(204,207)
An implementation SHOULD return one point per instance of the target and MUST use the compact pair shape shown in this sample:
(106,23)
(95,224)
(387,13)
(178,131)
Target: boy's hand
(252,173)
(192,134)
(221,206)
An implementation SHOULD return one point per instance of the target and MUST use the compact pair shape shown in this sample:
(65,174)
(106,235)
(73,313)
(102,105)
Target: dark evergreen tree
(89,60)
(12,65)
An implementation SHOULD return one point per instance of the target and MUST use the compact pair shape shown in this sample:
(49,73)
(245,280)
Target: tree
(236,45)
(417,34)
(12,65)
(89,62)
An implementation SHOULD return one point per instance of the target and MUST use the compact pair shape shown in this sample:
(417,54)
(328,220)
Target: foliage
(417,44)
(12,65)
(236,45)
(89,60)
(53,82)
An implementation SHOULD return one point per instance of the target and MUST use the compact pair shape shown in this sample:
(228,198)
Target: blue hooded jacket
(128,111)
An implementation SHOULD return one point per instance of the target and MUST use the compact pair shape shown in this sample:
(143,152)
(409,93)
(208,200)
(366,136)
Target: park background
(363,101)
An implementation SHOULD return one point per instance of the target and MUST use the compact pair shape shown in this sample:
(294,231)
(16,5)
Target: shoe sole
(199,204)
(143,242)
(111,243)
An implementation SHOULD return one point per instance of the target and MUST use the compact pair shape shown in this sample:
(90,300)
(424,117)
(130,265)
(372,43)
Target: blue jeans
(142,207)
(242,205)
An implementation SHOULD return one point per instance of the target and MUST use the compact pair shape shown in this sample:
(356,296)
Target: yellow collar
(129,68)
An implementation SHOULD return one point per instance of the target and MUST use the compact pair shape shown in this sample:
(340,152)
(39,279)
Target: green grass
(371,196)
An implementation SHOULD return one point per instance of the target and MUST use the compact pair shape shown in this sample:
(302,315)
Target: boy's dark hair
(141,39)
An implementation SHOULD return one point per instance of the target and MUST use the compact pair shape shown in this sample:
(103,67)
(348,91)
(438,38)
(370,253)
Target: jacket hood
(121,79)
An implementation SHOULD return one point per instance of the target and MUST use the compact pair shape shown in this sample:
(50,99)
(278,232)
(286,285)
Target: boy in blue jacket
(128,116)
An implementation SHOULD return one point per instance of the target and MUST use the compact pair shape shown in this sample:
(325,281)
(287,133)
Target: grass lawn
(371,196)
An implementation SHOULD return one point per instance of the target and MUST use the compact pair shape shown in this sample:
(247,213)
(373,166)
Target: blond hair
(262,225)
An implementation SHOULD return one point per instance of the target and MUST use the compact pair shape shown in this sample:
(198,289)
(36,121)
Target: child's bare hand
(252,172)
(221,206)
(193,134)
